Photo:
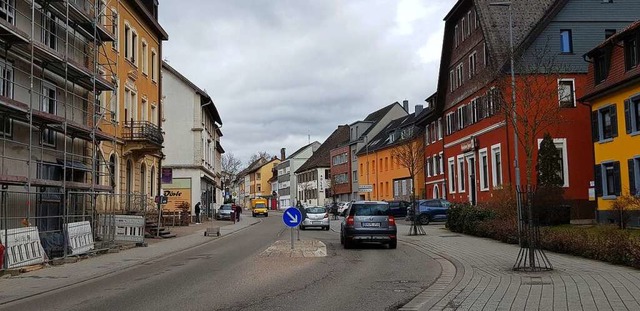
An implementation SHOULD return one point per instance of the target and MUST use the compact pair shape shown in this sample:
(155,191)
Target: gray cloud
(279,71)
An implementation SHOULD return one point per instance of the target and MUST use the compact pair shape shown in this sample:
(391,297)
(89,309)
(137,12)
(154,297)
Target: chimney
(418,109)
(282,154)
(405,105)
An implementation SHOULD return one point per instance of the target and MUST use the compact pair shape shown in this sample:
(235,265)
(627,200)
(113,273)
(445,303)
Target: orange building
(382,174)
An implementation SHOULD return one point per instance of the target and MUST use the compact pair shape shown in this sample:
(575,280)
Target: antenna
(308,137)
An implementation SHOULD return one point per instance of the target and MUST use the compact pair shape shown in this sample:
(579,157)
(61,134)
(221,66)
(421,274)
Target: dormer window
(600,68)
(631,54)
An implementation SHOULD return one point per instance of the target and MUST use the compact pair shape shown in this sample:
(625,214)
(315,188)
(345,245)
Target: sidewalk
(55,277)
(477,275)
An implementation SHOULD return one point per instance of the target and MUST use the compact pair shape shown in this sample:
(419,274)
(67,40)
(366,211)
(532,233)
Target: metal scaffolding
(56,72)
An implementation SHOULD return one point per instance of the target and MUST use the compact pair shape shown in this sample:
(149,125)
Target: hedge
(600,242)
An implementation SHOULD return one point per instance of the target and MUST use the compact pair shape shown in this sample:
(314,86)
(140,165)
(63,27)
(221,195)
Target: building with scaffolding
(68,145)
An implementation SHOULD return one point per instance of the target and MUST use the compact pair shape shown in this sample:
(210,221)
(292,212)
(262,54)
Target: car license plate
(371,224)
(316,222)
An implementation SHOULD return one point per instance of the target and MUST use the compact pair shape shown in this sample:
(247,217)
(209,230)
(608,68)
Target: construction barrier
(79,237)
(23,247)
(128,228)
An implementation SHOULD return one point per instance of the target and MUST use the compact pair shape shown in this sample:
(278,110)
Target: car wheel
(348,244)
(341,238)
(393,244)
(302,227)
(266,215)
(424,219)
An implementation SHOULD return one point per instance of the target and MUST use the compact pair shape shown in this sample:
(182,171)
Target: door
(471,173)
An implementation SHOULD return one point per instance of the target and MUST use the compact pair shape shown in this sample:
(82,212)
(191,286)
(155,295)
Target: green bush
(464,218)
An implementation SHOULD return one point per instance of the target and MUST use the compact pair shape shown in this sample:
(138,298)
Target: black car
(398,208)
(369,221)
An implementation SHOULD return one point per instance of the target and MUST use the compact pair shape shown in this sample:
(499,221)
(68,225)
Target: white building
(192,142)
(287,184)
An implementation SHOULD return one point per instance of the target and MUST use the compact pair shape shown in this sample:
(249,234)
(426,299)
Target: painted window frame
(600,114)
(144,56)
(441,162)
(566,41)
(562,102)
(473,57)
(451,173)
(115,28)
(484,176)
(632,115)
(497,171)
(460,171)
(48,136)
(154,65)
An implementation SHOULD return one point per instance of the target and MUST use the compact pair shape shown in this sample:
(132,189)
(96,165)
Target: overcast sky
(280,70)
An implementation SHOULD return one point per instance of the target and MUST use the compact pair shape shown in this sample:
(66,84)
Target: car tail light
(326,215)
(392,221)
(350,221)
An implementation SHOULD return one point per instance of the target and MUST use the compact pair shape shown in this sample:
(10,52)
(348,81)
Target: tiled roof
(616,37)
(322,157)
(253,166)
(381,141)
(376,116)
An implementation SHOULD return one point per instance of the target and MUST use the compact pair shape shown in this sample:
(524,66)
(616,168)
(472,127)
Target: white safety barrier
(122,228)
(79,237)
(23,246)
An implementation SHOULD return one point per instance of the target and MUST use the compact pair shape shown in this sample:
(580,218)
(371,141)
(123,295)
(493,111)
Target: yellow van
(259,207)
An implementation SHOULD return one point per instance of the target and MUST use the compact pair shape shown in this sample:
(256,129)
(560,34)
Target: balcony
(143,132)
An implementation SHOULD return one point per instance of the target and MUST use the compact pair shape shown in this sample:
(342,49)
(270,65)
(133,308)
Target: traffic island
(304,248)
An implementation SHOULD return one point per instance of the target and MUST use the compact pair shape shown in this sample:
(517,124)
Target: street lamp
(516,166)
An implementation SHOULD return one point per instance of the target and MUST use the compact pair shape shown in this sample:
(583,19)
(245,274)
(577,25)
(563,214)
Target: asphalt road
(230,274)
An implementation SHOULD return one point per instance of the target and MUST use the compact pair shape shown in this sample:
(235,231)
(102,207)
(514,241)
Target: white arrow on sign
(294,218)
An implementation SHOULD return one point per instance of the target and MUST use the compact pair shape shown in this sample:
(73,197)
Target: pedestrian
(197,211)
(238,211)
(334,210)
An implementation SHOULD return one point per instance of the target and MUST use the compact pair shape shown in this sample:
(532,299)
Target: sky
(283,73)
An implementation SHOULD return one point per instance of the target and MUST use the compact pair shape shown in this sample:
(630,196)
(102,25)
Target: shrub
(464,218)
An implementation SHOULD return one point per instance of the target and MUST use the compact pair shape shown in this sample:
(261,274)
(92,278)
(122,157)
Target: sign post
(292,218)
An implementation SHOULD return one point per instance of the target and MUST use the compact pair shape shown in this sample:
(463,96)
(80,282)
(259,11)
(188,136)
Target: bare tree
(230,164)
(256,156)
(623,208)
(409,153)
(540,99)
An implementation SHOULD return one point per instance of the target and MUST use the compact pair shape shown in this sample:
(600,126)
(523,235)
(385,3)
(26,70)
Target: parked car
(342,207)
(399,208)
(430,210)
(224,212)
(369,221)
(315,216)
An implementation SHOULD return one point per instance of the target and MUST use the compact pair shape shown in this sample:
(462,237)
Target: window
(634,176)
(6,87)
(452,174)
(464,28)
(600,67)
(496,166)
(154,114)
(143,179)
(127,39)
(632,114)
(561,146)
(607,179)
(127,105)
(113,103)
(461,173)
(143,112)
(49,105)
(604,123)
(49,30)
(8,11)
(566,44)
(452,81)
(429,167)
(484,170)
(459,75)
(631,54)
(456,35)
(144,51)
(608,33)
(114,28)
(441,162)
(152,176)
(472,64)
(439,128)
(154,65)
(6,130)
(485,56)
(566,93)
(134,47)
(354,176)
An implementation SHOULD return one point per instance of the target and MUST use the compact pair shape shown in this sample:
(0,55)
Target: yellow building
(133,112)
(613,91)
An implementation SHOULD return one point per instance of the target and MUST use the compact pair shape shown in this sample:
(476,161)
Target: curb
(452,273)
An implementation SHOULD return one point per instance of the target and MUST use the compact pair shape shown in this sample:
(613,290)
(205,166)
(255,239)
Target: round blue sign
(292,217)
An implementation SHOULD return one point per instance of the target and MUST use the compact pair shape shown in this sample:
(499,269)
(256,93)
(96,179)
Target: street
(230,274)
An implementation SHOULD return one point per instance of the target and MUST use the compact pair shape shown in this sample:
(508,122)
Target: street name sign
(365,188)
(292,217)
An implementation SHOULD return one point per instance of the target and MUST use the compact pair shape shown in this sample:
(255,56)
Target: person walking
(197,211)
(238,212)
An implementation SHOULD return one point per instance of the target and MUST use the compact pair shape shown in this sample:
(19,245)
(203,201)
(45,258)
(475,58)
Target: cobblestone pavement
(477,275)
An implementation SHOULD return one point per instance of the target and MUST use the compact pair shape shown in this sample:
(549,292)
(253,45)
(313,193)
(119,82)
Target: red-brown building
(340,173)
(473,83)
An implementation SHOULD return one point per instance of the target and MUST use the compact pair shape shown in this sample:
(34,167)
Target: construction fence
(39,227)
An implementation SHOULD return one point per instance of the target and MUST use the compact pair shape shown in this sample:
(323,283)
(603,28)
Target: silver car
(224,212)
(315,216)
(369,221)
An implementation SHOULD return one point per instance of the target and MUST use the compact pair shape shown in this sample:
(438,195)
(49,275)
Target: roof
(322,156)
(529,20)
(144,13)
(253,166)
(381,141)
(615,38)
(376,116)
(293,155)
(205,99)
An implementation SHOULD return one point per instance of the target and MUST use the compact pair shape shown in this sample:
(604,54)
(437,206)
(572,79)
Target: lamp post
(514,117)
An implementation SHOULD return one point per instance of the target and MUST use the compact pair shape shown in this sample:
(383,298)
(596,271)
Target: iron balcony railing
(143,131)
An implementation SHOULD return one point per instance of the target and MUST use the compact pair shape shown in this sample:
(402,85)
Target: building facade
(342,173)
(613,92)
(287,182)
(193,151)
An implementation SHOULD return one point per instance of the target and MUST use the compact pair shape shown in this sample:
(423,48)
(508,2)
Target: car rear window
(225,207)
(316,210)
(370,209)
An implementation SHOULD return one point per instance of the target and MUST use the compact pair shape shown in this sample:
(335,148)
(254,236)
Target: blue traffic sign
(292,217)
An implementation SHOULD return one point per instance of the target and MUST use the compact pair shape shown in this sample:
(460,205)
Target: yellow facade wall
(266,174)
(620,148)
(380,169)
